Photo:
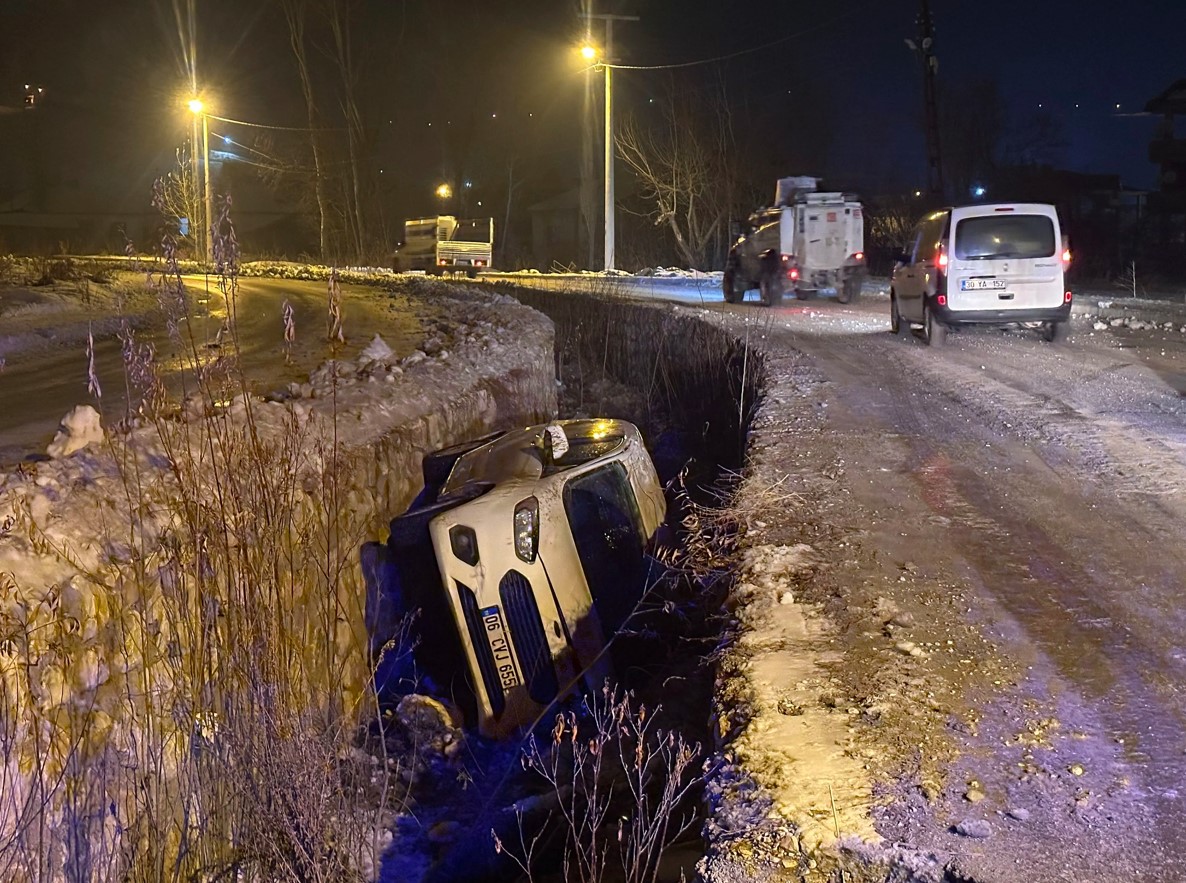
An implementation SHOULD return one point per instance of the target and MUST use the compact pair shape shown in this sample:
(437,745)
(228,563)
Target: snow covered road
(40,383)
(989,581)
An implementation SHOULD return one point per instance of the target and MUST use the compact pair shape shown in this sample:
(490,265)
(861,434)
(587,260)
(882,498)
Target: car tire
(734,294)
(771,287)
(1056,332)
(934,330)
(849,290)
(804,293)
(897,326)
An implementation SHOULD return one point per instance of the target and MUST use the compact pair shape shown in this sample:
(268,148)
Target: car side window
(606,528)
(930,238)
(918,234)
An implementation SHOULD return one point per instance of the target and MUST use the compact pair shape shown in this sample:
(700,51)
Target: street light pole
(609,146)
(606,60)
(209,199)
(205,237)
(195,225)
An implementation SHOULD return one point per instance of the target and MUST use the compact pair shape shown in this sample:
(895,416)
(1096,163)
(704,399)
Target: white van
(996,264)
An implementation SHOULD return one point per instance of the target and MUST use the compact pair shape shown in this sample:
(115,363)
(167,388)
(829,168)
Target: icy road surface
(994,592)
(43,343)
(999,525)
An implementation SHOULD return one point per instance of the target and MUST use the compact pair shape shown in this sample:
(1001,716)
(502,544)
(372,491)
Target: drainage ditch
(692,389)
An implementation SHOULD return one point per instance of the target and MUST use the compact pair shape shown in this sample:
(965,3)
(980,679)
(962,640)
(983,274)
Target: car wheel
(849,290)
(934,330)
(733,292)
(1056,332)
(804,293)
(897,326)
(771,288)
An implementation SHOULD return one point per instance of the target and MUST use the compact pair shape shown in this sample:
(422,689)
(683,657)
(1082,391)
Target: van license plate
(496,636)
(981,284)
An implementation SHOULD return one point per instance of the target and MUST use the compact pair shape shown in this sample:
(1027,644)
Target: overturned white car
(523,556)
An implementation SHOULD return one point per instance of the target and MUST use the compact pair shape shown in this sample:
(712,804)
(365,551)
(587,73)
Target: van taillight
(941,262)
(793,273)
(941,300)
(859,256)
(1066,255)
(1066,298)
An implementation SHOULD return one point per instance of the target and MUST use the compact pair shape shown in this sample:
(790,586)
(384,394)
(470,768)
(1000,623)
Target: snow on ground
(791,742)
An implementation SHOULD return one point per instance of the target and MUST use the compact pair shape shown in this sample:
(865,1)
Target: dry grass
(620,787)
(185,705)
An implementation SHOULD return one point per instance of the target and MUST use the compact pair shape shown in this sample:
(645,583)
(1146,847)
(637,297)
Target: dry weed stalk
(622,789)
(185,706)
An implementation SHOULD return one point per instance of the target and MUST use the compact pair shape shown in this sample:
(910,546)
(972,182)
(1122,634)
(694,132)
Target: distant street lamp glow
(444,191)
(588,52)
(195,105)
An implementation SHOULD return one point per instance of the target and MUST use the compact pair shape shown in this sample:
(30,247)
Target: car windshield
(1004,236)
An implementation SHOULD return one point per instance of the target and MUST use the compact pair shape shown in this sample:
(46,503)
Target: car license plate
(496,636)
(981,284)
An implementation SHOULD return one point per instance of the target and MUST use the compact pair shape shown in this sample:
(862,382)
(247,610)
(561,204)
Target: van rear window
(1004,236)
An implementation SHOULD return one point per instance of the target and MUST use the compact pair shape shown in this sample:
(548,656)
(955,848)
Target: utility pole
(925,50)
(607,59)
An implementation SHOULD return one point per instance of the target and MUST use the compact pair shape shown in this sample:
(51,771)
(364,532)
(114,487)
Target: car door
(906,280)
(924,265)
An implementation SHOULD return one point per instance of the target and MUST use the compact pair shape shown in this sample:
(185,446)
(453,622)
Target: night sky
(837,94)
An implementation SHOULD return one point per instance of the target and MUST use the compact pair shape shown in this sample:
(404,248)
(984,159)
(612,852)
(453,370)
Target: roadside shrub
(620,788)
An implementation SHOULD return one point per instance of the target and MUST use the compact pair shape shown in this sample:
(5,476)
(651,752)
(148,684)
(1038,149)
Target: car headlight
(527,529)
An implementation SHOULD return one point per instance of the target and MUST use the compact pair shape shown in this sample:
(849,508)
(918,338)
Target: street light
(589,52)
(444,191)
(199,110)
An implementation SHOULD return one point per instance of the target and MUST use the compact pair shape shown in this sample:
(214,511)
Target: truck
(445,244)
(806,242)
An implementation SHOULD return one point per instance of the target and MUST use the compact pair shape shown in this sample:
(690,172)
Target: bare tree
(683,161)
(1034,140)
(296,14)
(182,198)
(338,15)
(974,124)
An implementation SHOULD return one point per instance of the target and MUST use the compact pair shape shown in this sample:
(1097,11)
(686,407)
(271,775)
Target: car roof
(987,209)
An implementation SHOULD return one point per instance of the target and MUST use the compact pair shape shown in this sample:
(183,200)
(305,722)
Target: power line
(810,30)
(275,128)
